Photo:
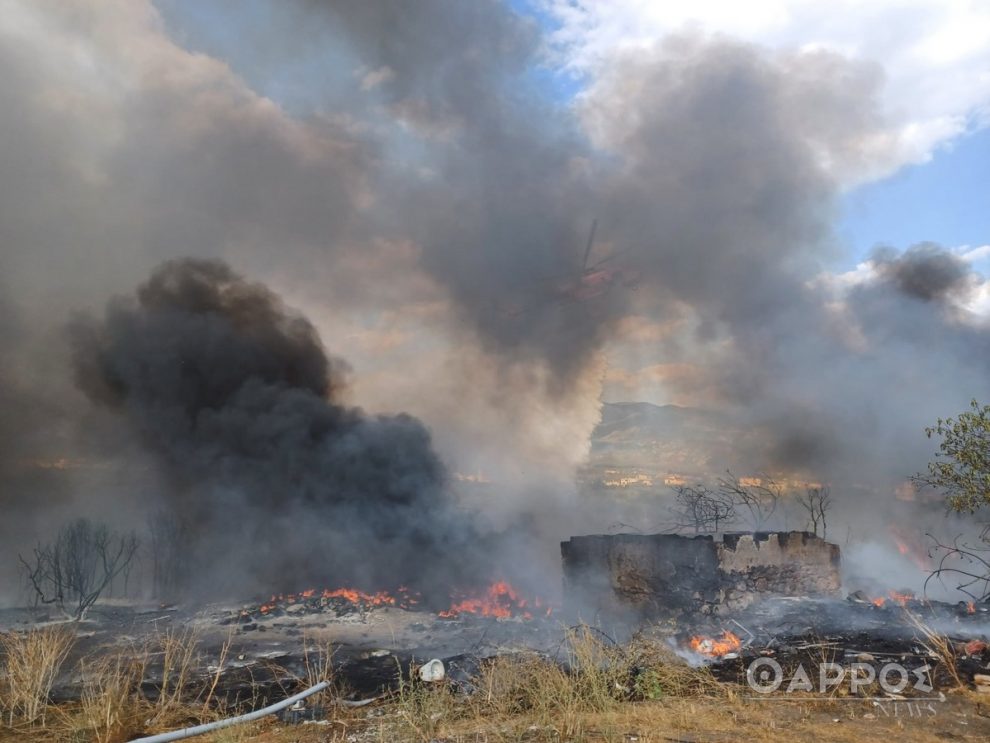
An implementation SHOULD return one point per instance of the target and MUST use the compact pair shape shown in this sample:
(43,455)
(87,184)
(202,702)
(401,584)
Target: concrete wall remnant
(662,574)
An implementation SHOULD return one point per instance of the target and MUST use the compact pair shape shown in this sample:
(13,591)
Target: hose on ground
(211,726)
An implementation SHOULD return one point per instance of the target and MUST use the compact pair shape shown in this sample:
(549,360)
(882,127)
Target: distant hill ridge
(669,437)
(636,421)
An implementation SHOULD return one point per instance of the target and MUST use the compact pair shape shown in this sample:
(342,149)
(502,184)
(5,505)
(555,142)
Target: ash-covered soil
(267,656)
(373,647)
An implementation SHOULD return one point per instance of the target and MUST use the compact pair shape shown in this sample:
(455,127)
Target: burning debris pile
(715,647)
(499,601)
(660,574)
(337,602)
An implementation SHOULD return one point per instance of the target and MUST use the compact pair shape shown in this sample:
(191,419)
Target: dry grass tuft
(592,678)
(660,673)
(318,665)
(31,664)
(940,647)
(179,650)
(111,708)
(422,708)
(318,661)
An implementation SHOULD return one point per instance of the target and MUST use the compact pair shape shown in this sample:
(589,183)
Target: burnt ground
(267,656)
(373,647)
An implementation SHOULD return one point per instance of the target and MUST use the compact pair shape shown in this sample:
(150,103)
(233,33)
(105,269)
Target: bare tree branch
(74,570)
(817,502)
(757,500)
(966,566)
(701,509)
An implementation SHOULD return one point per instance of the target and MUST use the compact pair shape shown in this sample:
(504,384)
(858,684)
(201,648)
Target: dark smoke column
(278,484)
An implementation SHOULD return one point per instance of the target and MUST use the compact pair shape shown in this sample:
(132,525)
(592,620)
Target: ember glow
(500,600)
(715,647)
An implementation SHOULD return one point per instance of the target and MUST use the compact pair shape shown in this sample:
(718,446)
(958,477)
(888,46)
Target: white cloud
(973,255)
(935,54)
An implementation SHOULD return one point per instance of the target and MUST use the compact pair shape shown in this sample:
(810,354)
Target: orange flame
(715,647)
(500,600)
(901,599)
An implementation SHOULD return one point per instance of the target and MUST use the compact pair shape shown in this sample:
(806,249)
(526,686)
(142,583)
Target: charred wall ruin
(660,574)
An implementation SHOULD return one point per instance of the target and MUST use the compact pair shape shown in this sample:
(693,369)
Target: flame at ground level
(901,599)
(715,647)
(499,600)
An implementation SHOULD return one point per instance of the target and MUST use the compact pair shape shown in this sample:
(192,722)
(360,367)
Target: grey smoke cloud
(925,271)
(724,191)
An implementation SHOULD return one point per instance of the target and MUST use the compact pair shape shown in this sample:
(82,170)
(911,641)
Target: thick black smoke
(276,483)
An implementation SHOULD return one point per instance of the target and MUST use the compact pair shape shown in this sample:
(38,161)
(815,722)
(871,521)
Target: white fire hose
(210,726)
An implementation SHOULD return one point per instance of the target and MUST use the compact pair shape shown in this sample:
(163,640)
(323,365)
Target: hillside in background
(641,446)
(668,439)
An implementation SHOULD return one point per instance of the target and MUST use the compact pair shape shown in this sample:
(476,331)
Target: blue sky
(946,200)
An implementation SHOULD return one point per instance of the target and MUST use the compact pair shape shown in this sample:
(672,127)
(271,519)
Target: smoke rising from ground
(273,480)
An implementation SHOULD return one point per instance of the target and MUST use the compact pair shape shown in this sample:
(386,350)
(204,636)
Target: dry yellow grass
(691,720)
(31,662)
(179,650)
(110,707)
(113,706)
(594,678)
